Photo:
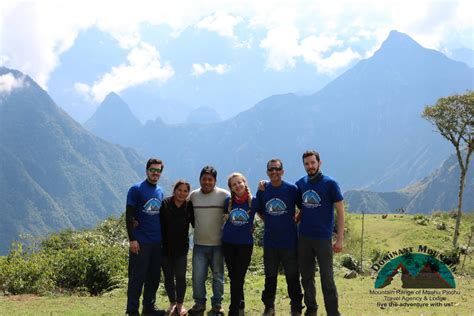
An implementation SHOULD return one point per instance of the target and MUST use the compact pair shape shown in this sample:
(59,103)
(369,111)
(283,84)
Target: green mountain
(114,121)
(438,191)
(53,173)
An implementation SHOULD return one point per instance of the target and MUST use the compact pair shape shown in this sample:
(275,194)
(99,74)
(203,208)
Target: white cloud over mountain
(325,34)
(8,83)
(200,69)
(143,65)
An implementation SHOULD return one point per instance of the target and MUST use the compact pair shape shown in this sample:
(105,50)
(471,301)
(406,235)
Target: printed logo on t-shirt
(275,207)
(238,217)
(311,199)
(152,207)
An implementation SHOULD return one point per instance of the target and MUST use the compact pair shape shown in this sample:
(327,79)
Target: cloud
(34,34)
(143,65)
(8,83)
(200,69)
(221,23)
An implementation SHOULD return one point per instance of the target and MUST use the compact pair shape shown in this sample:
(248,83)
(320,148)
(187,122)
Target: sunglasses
(274,169)
(155,170)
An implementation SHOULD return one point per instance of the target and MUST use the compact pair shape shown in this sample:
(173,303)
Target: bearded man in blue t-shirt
(276,206)
(142,218)
(319,195)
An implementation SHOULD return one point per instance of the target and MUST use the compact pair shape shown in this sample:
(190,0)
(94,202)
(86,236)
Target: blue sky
(223,54)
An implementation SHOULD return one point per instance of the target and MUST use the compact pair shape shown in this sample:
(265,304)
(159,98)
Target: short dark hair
(311,153)
(153,161)
(179,182)
(208,170)
(275,160)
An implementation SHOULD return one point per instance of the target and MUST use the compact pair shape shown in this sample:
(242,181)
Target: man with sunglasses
(277,209)
(145,248)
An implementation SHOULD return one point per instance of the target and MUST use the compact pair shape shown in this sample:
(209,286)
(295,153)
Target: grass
(392,233)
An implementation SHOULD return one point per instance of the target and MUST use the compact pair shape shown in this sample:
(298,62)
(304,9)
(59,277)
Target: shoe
(295,312)
(197,309)
(217,310)
(269,311)
(242,308)
(171,309)
(152,311)
(180,310)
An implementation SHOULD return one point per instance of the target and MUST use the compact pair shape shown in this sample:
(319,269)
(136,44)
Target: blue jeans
(203,258)
(143,273)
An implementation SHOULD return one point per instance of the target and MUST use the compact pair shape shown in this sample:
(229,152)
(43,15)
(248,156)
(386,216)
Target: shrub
(377,254)
(437,213)
(349,262)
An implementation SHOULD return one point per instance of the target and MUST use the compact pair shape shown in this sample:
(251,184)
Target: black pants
(271,261)
(143,273)
(308,250)
(237,260)
(174,270)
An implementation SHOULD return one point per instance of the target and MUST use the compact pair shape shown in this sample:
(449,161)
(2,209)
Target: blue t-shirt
(239,225)
(146,198)
(277,205)
(317,207)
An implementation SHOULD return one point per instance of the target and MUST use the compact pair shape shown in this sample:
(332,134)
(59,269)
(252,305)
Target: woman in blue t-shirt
(237,237)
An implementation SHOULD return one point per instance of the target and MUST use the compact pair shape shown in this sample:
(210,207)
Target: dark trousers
(237,260)
(271,261)
(308,250)
(143,273)
(174,270)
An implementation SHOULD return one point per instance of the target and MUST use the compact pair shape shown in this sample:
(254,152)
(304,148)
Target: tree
(454,118)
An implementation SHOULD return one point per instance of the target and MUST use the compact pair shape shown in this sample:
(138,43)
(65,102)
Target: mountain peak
(398,43)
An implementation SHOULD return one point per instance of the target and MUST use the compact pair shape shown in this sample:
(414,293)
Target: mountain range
(54,174)
(438,191)
(363,123)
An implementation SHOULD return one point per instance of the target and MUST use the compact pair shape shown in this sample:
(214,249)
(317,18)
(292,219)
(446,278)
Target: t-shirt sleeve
(259,202)
(132,196)
(336,192)
(254,206)
(226,206)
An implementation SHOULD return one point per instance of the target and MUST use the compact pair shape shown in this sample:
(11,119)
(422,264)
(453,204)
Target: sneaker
(152,311)
(217,310)
(180,310)
(197,309)
(242,308)
(295,312)
(269,311)
(171,309)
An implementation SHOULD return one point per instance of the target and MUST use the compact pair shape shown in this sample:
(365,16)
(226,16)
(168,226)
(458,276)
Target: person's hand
(298,217)
(261,185)
(337,247)
(134,247)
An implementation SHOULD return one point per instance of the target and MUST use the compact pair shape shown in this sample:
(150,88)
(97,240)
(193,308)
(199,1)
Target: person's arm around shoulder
(337,247)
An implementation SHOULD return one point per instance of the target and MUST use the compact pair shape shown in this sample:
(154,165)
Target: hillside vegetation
(84,272)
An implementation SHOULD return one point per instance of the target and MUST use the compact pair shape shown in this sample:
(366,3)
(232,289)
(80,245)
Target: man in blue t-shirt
(145,247)
(276,206)
(319,195)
